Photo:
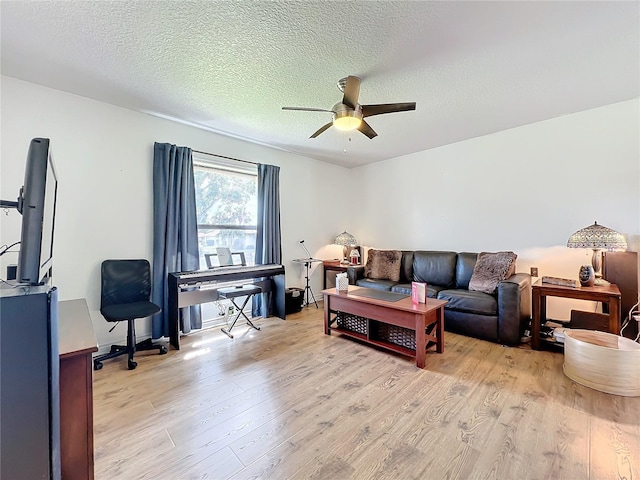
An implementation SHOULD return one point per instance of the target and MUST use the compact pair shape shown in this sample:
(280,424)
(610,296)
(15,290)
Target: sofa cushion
(472,324)
(375,283)
(406,270)
(464,268)
(405,289)
(490,269)
(437,268)
(468,301)
(383,265)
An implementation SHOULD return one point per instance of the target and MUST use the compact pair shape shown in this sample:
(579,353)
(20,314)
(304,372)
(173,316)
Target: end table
(609,294)
(333,266)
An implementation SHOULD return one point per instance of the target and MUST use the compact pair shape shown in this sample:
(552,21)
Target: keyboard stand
(231,293)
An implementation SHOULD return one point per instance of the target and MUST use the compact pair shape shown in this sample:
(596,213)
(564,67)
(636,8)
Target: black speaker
(621,268)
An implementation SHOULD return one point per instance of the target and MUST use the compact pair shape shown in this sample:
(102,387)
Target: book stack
(564,282)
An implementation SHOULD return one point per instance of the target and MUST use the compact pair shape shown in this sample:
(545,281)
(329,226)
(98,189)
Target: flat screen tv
(37,204)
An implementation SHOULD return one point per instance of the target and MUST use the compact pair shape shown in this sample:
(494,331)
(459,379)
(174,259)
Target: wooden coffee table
(400,326)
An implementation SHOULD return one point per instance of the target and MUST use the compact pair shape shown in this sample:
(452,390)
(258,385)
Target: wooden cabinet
(77,341)
(621,268)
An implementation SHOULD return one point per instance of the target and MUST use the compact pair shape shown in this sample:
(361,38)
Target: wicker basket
(396,335)
(351,322)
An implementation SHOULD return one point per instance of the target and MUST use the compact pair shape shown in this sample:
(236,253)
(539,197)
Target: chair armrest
(514,307)
(355,273)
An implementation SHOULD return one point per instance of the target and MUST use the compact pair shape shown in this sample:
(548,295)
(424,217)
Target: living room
(524,188)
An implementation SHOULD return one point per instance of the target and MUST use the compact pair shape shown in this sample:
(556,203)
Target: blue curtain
(268,241)
(175,232)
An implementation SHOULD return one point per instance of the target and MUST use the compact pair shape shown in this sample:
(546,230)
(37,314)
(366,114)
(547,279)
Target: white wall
(104,157)
(525,189)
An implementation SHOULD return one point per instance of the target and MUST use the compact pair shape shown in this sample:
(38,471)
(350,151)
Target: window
(226,207)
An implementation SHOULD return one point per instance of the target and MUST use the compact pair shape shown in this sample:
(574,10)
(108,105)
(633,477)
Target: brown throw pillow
(490,269)
(383,265)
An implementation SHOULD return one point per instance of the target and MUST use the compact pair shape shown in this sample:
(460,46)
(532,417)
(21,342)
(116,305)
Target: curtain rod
(227,158)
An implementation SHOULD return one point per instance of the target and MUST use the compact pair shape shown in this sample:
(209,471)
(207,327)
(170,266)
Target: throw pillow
(383,265)
(490,269)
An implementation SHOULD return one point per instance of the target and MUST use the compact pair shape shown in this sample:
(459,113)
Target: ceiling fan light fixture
(347,120)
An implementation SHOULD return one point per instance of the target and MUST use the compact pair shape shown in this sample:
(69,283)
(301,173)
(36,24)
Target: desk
(609,294)
(76,343)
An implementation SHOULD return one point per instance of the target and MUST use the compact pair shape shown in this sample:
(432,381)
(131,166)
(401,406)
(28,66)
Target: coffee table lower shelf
(379,343)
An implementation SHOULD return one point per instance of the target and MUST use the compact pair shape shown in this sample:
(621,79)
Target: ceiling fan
(349,114)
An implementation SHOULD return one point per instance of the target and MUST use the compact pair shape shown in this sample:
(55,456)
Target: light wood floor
(291,402)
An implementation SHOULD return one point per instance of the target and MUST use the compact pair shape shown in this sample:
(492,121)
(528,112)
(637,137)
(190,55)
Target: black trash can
(293,299)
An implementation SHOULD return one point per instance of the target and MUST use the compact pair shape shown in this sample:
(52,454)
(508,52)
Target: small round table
(602,361)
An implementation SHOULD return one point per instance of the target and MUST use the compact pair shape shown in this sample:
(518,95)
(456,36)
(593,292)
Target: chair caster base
(132,365)
(163,350)
(97,365)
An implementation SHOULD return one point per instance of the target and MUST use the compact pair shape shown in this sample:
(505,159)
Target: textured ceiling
(473,68)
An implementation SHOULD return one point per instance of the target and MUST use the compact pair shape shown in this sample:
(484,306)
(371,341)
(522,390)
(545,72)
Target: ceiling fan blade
(305,109)
(367,130)
(351,92)
(369,110)
(321,129)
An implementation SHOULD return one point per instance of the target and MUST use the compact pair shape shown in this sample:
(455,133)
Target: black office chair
(125,294)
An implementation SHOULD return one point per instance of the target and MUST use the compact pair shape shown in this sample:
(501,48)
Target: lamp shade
(345,239)
(597,237)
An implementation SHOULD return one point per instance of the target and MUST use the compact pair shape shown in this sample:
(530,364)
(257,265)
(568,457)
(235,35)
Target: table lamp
(346,240)
(597,237)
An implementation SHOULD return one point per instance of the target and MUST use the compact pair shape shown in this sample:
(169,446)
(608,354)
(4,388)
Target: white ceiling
(473,68)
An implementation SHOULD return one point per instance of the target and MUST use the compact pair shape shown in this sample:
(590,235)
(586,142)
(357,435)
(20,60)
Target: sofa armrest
(514,307)
(355,273)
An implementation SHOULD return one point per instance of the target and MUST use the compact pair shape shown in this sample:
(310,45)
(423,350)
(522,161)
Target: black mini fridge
(29,386)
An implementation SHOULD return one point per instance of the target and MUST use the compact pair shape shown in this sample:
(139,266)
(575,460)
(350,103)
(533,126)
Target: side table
(609,294)
(332,266)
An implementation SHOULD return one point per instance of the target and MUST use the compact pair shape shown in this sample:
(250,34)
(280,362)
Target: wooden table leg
(538,306)
(614,315)
(440,330)
(421,341)
(327,314)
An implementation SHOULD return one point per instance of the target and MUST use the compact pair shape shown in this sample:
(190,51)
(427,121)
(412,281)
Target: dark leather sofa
(501,317)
